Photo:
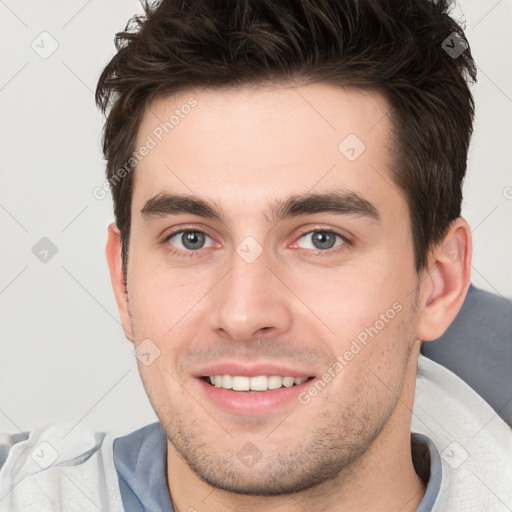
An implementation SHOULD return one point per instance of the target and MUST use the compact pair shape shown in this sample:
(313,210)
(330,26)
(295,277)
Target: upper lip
(251,370)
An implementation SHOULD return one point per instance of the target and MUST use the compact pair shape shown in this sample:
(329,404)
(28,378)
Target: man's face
(255,293)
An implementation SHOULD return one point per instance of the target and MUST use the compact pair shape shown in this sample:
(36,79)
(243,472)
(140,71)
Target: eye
(323,239)
(187,240)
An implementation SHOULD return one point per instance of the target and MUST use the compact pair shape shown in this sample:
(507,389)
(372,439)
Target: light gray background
(63,356)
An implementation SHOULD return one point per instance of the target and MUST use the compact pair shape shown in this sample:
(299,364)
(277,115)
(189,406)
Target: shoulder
(477,347)
(57,464)
(475,444)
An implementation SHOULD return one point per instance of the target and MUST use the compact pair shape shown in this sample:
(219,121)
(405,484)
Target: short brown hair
(398,48)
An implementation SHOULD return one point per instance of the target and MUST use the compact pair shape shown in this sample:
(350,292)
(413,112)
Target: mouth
(254,395)
(257,384)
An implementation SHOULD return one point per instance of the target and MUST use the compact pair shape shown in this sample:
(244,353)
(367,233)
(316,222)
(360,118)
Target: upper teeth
(260,383)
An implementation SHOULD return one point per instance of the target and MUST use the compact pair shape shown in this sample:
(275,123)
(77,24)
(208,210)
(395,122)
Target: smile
(258,383)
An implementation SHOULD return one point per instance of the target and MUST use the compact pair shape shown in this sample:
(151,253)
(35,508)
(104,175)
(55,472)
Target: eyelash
(327,252)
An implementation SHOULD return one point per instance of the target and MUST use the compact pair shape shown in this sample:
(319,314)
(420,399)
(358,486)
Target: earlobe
(447,283)
(113,255)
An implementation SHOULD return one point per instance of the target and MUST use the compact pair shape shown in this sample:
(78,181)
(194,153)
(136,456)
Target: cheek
(160,296)
(160,382)
(351,300)
(374,362)
(371,319)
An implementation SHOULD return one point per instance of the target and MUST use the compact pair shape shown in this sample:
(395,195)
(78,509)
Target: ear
(447,281)
(113,254)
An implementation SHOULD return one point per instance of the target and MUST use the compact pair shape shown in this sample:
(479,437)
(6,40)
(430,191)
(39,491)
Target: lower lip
(252,403)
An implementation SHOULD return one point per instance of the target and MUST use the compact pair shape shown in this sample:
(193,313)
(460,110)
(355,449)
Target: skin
(349,447)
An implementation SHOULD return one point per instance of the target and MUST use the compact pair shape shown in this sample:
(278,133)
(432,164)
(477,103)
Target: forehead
(248,145)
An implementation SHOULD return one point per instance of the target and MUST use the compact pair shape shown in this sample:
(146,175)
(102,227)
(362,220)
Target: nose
(251,301)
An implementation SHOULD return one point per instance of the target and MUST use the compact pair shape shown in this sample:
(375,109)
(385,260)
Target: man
(287,186)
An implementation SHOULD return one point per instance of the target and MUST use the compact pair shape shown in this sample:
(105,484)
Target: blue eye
(188,242)
(191,240)
(324,239)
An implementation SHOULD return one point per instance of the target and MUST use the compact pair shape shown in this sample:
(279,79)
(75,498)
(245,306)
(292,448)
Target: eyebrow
(338,203)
